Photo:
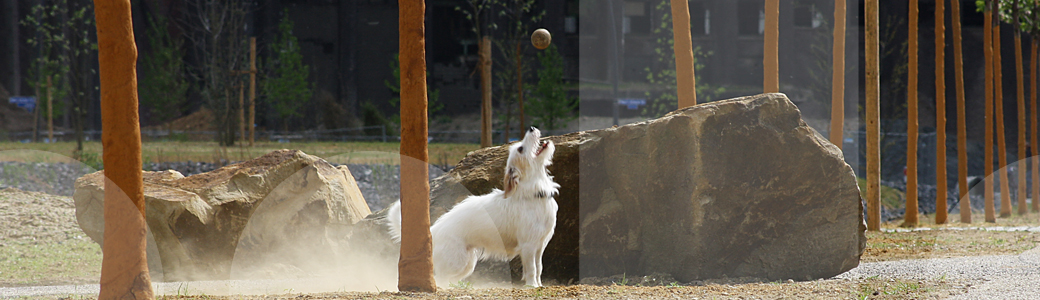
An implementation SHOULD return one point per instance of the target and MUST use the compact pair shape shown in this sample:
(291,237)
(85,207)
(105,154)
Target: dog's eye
(520,149)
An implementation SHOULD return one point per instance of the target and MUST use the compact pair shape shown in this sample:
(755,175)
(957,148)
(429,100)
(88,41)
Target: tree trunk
(940,112)
(910,218)
(685,80)
(838,75)
(520,86)
(485,92)
(1021,97)
(872,114)
(770,60)
(998,100)
(415,267)
(1033,133)
(962,132)
(50,111)
(124,267)
(988,141)
(252,88)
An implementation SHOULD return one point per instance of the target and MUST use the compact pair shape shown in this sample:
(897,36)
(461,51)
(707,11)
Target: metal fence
(366,133)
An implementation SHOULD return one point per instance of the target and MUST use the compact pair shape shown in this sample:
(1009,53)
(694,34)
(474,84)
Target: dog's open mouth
(542,145)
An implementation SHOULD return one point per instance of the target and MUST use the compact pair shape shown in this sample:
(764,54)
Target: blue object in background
(632,103)
(28,103)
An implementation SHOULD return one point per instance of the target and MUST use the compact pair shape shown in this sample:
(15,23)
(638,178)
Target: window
(806,16)
(750,17)
(636,19)
(700,19)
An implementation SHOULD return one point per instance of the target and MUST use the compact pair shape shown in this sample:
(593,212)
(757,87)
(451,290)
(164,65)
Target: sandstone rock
(734,188)
(245,213)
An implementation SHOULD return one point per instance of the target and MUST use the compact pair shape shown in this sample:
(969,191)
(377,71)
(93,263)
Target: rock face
(246,213)
(734,188)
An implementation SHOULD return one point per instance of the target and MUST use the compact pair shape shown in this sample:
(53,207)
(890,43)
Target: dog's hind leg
(454,262)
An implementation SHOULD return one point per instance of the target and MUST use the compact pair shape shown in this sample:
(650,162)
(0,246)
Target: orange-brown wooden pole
(873,116)
(998,101)
(940,112)
(988,87)
(685,80)
(1033,133)
(838,75)
(910,218)
(124,266)
(962,132)
(1023,208)
(241,113)
(770,59)
(415,267)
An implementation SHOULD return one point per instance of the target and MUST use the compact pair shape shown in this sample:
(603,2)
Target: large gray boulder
(281,210)
(733,188)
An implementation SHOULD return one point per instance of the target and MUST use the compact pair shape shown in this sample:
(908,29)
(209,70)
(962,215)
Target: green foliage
(551,108)
(1027,19)
(663,98)
(163,87)
(286,88)
(60,31)
(433,103)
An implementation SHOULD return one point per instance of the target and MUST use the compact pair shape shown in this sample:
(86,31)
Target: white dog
(502,224)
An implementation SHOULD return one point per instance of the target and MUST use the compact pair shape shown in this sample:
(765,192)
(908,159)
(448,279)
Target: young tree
(910,218)
(286,86)
(661,73)
(163,87)
(65,48)
(552,108)
(216,32)
(962,132)
(518,16)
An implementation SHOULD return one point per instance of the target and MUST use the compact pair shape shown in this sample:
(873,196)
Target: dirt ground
(40,244)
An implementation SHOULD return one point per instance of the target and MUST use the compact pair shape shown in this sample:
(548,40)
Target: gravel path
(974,277)
(978,277)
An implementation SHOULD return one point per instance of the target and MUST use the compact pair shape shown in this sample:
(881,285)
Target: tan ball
(541,38)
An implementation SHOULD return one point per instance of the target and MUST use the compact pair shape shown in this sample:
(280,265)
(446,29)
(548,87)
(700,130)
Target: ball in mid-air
(541,38)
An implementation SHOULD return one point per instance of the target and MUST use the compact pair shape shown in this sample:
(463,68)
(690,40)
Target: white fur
(518,220)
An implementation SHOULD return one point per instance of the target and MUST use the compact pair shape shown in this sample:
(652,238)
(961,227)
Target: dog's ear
(510,181)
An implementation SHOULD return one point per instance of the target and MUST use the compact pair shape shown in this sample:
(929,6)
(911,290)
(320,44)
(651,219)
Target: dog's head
(527,161)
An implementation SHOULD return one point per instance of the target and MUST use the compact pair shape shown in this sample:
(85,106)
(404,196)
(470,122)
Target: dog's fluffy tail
(393,220)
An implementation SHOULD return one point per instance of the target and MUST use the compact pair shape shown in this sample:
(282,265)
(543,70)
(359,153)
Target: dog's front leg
(529,256)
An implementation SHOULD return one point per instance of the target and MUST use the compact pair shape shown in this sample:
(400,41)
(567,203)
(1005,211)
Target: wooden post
(962,132)
(770,59)
(485,92)
(838,75)
(1022,161)
(124,266)
(910,218)
(998,101)
(940,112)
(685,80)
(872,114)
(252,89)
(988,87)
(415,267)
(50,111)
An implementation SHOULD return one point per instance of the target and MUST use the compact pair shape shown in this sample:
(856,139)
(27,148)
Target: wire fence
(365,133)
